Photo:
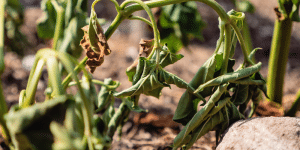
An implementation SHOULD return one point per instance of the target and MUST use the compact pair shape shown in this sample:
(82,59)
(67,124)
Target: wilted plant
(72,121)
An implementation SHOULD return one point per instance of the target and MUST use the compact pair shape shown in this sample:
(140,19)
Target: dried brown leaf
(146,47)
(95,59)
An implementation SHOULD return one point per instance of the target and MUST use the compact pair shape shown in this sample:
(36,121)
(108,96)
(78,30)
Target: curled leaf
(187,106)
(104,95)
(228,77)
(150,79)
(94,43)
(146,47)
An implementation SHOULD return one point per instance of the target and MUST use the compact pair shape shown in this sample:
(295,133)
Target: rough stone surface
(276,133)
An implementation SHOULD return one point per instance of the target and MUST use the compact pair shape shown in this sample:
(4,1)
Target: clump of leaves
(222,108)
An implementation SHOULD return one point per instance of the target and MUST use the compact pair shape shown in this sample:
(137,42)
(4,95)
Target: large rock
(269,133)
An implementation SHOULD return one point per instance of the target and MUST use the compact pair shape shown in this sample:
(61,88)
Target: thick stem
(278,59)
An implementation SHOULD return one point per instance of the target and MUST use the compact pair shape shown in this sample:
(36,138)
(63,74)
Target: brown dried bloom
(95,59)
(146,47)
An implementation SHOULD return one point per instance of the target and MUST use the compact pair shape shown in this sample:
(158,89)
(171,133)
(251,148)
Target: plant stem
(32,84)
(242,43)
(278,58)
(109,87)
(158,3)
(141,19)
(59,23)
(247,38)
(227,48)
(54,76)
(2,19)
(68,79)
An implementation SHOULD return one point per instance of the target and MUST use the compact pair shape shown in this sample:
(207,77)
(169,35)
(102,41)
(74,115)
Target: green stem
(158,3)
(278,59)
(32,84)
(151,16)
(141,19)
(59,23)
(68,79)
(295,107)
(2,19)
(109,87)
(242,43)
(247,38)
(227,48)
(54,76)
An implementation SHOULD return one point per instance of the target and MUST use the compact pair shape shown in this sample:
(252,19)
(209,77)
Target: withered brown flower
(95,58)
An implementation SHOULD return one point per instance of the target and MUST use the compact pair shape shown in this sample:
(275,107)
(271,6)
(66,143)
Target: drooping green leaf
(152,79)
(121,114)
(145,82)
(130,104)
(209,110)
(240,95)
(235,113)
(262,87)
(29,127)
(167,57)
(187,106)
(249,81)
(106,117)
(198,118)
(104,95)
(228,77)
(205,127)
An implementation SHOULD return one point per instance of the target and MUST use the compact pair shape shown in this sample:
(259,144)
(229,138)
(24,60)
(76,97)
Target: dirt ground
(155,129)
